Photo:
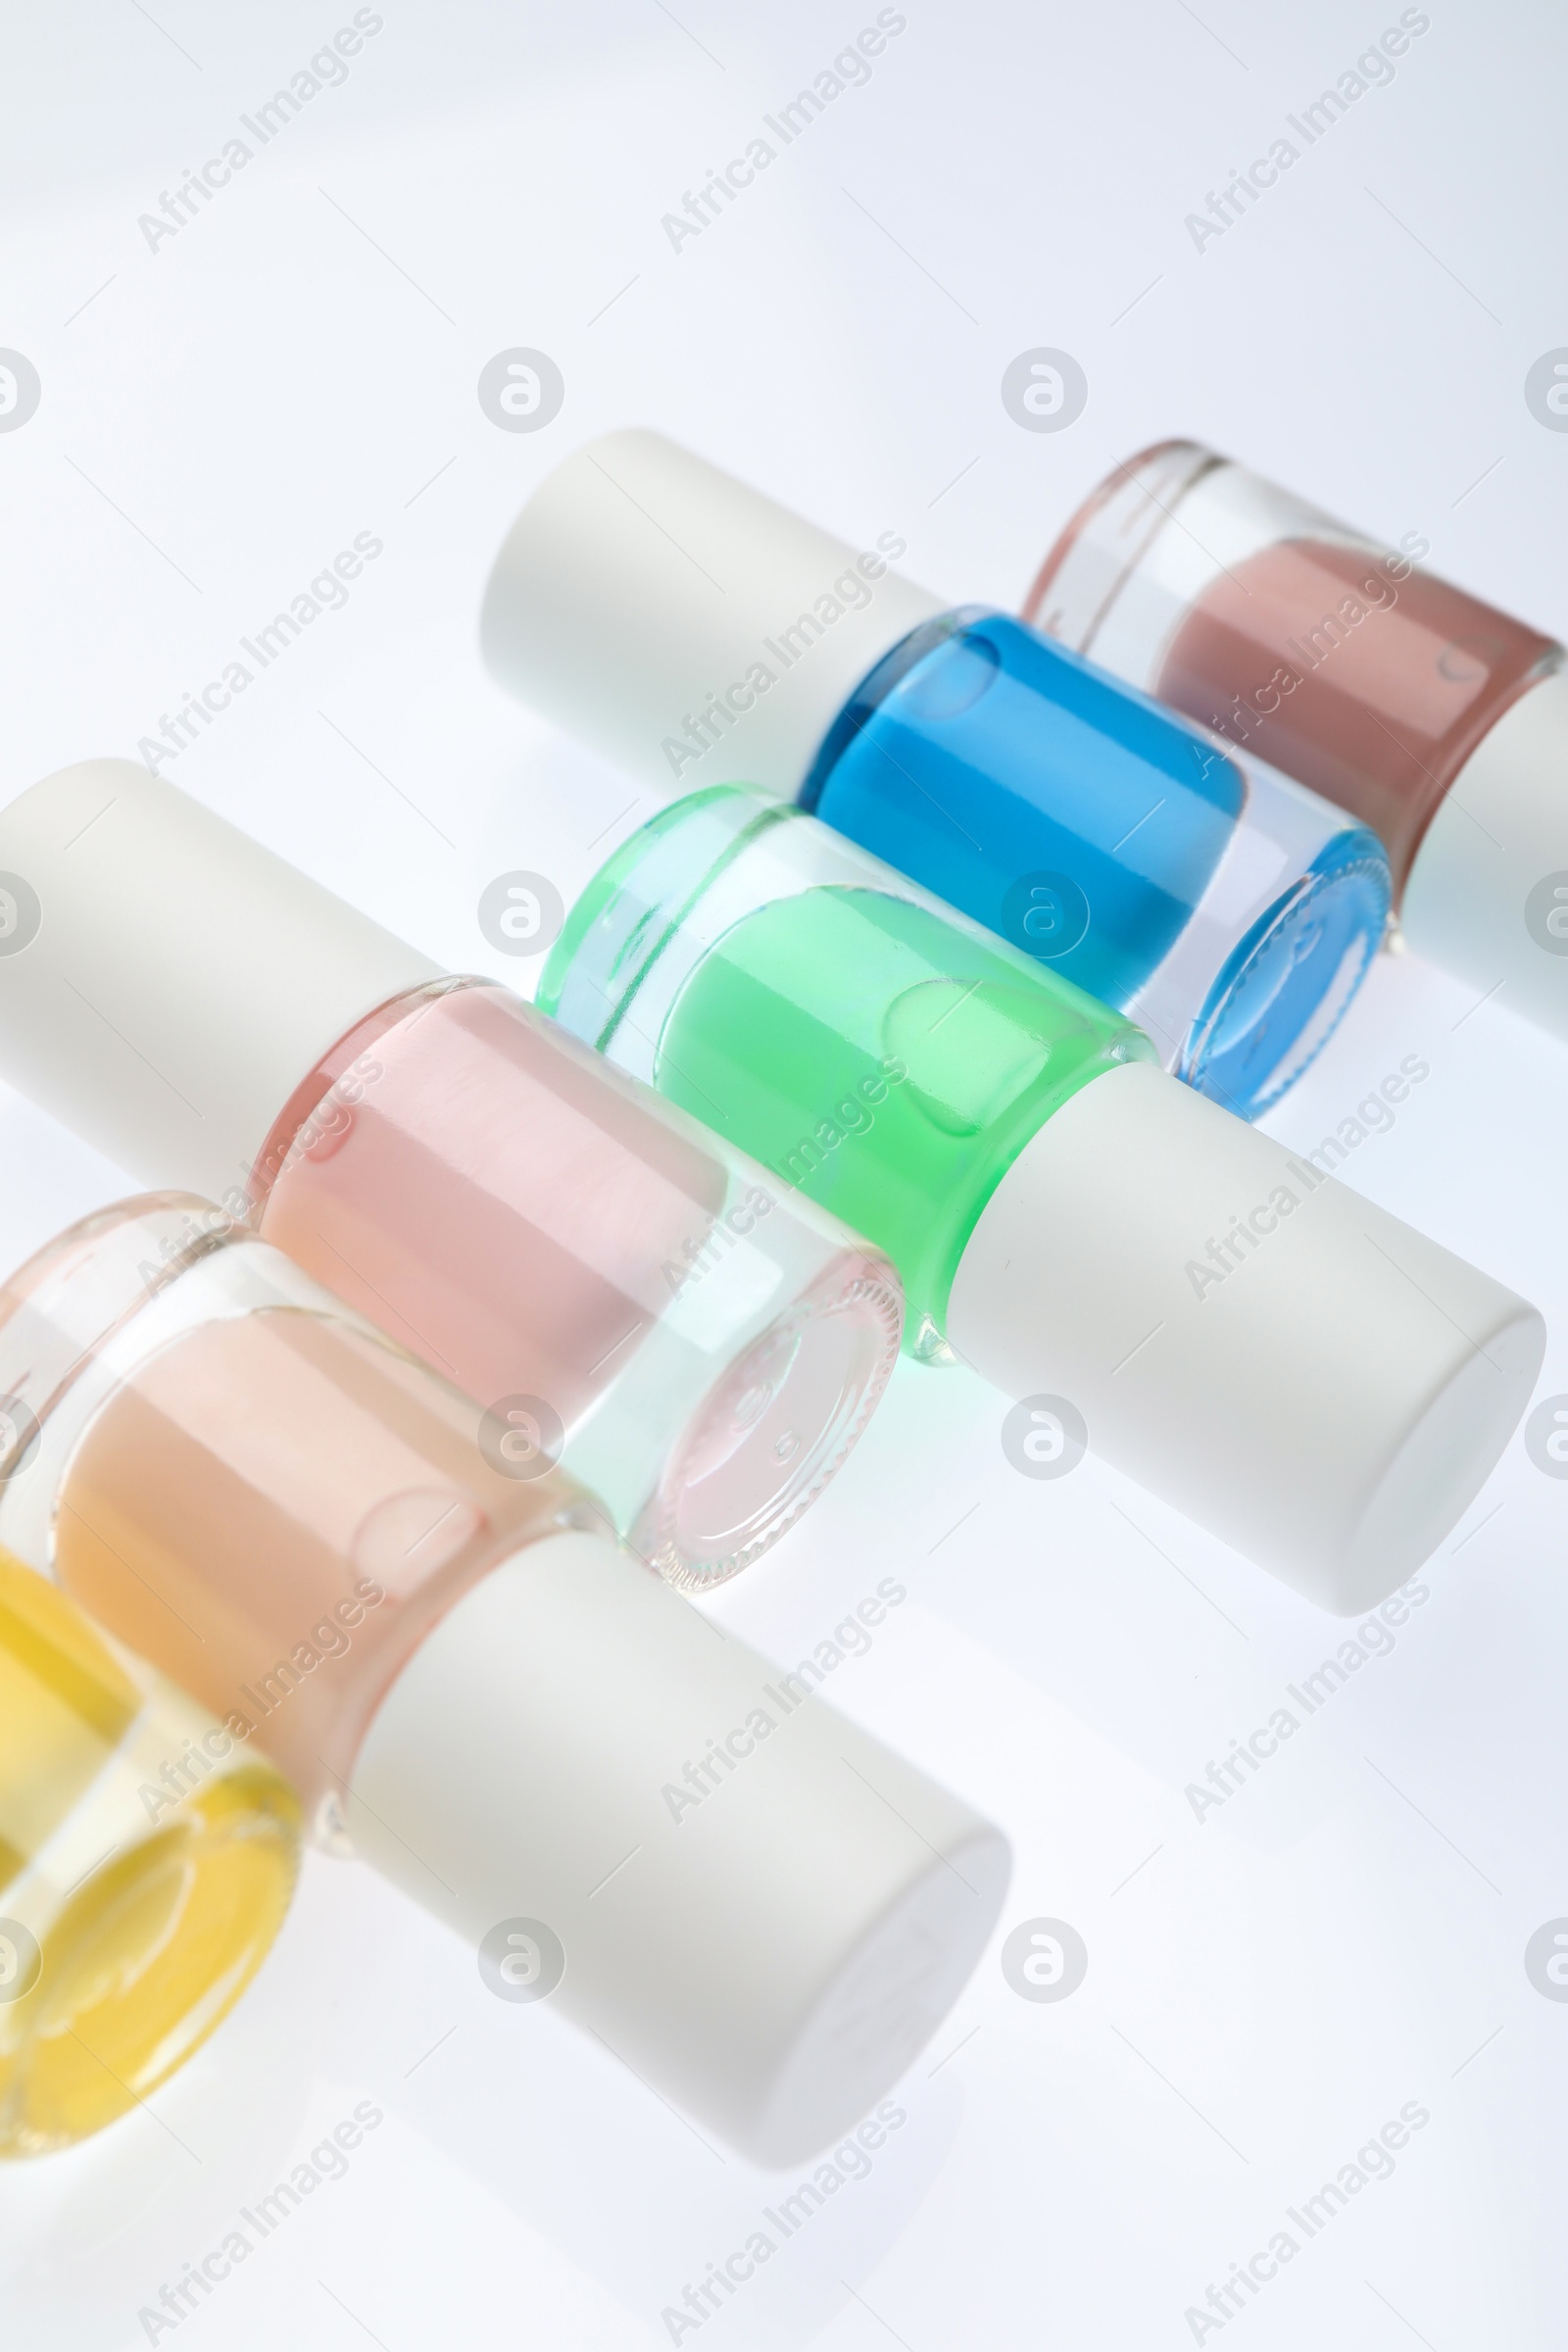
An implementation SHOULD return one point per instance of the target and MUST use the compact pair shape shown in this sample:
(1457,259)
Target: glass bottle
(1301,1373)
(1435,720)
(344,1560)
(565,1246)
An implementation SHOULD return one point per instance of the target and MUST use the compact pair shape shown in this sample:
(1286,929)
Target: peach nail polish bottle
(756,1905)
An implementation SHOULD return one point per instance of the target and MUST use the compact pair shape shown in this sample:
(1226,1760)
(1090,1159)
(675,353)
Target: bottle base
(1283,990)
(774,1429)
(144,1961)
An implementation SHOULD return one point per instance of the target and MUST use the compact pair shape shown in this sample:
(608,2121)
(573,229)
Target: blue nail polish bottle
(1105,838)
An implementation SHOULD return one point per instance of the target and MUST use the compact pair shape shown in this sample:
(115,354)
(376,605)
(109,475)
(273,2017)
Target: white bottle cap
(759,1908)
(639,584)
(1487,894)
(1329,1402)
(166,983)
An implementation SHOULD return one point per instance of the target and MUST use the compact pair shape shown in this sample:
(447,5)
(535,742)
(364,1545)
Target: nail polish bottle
(691,630)
(1295,1369)
(1431,716)
(752,1903)
(626,1292)
(146,1862)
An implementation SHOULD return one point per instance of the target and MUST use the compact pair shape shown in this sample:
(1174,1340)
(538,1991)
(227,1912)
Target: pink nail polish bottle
(625,1293)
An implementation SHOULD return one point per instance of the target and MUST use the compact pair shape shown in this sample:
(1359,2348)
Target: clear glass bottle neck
(1149,543)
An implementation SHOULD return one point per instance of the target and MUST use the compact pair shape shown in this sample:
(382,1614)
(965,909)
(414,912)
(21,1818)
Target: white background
(1266,1988)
